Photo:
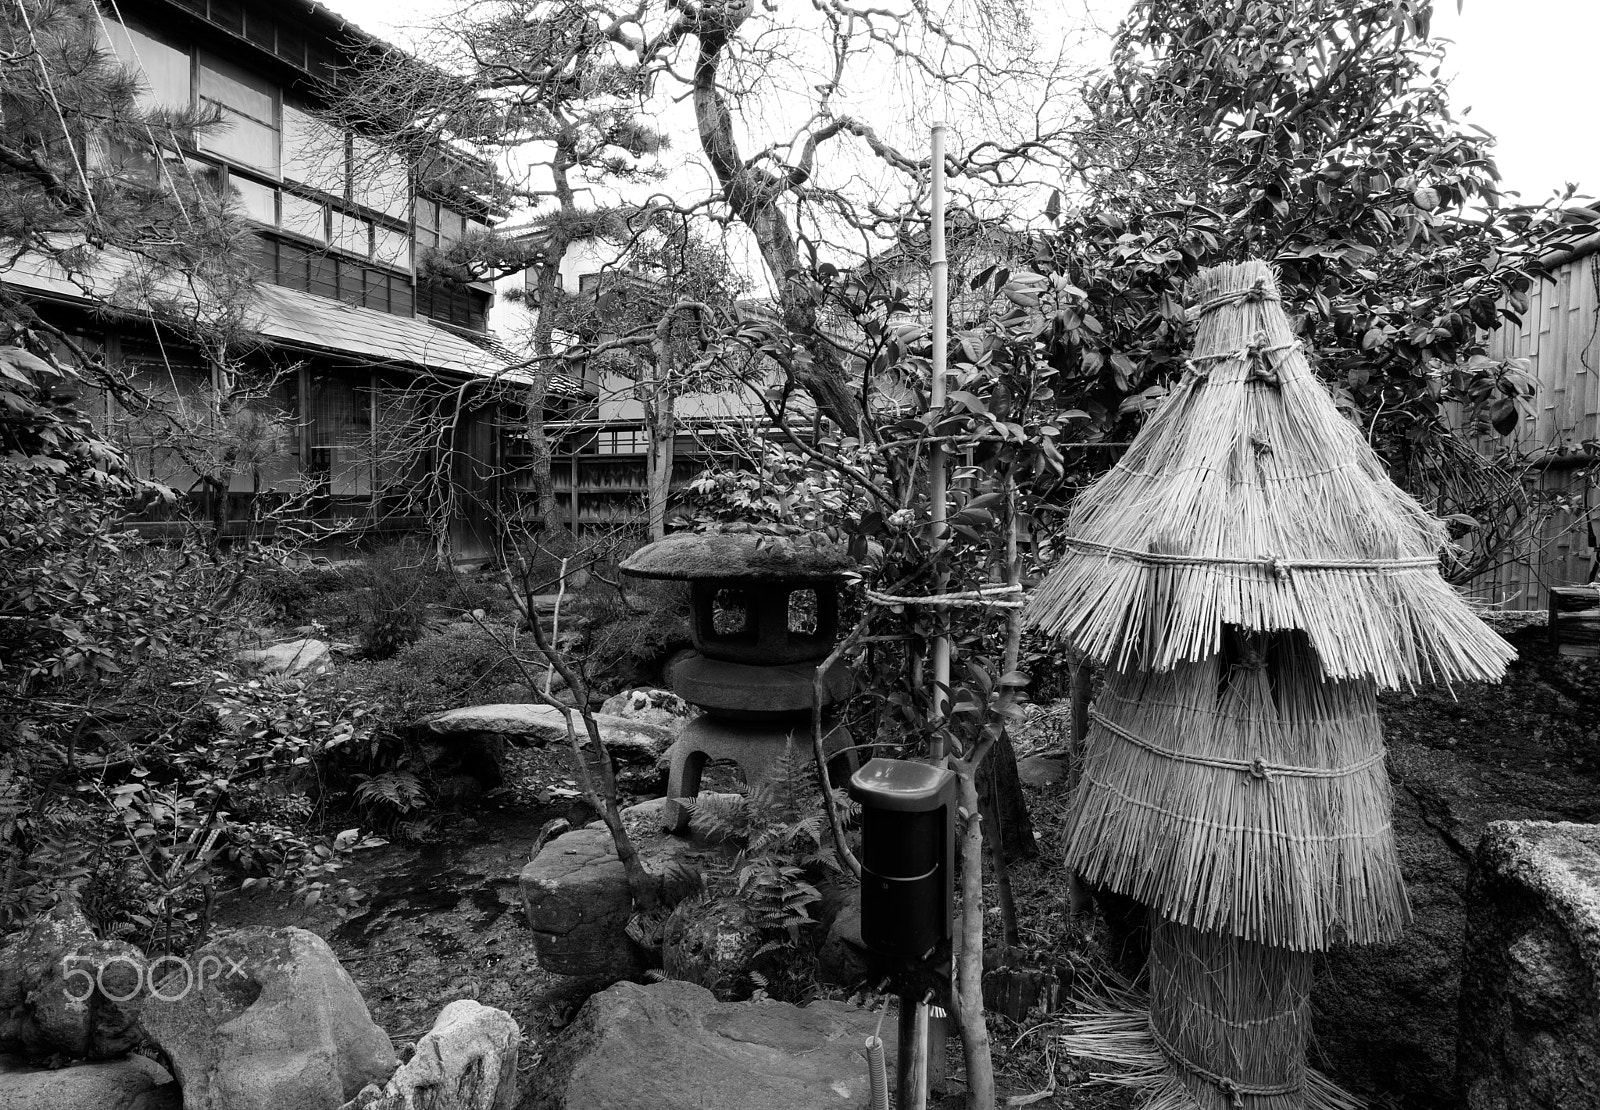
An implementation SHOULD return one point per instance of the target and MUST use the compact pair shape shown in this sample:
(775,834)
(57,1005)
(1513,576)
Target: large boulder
(575,894)
(1530,982)
(673,1046)
(276,1023)
(576,898)
(467,1061)
(307,655)
(131,1084)
(63,990)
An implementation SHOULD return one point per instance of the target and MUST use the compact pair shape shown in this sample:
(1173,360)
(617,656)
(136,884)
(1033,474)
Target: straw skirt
(1243,795)
(1224,1027)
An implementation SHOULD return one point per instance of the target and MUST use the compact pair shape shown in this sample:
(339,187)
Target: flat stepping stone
(673,1046)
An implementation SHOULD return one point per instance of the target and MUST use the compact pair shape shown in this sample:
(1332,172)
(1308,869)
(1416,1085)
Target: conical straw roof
(1249,500)
(1243,795)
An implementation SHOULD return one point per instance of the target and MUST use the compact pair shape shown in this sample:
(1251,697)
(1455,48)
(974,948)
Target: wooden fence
(1560,335)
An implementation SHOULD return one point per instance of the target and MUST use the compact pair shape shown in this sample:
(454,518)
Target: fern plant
(785,852)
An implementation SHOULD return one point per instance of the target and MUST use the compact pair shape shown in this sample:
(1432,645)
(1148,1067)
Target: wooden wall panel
(1558,334)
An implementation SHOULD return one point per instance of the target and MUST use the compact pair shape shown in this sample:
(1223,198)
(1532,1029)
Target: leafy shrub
(124,742)
(235,786)
(445,669)
(630,633)
(66,601)
(784,492)
(399,583)
(297,594)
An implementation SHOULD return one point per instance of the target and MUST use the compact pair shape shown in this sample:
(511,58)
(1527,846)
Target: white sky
(1518,64)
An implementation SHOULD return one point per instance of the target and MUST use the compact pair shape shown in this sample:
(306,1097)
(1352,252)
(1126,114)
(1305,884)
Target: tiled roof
(306,321)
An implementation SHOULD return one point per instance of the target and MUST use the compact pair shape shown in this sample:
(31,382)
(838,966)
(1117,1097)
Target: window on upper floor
(258,201)
(352,234)
(437,225)
(249,132)
(391,247)
(314,154)
(378,178)
(164,67)
(264,130)
(303,217)
(318,185)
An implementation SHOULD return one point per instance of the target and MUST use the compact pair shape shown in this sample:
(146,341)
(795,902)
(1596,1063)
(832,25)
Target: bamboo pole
(914,1049)
(939,457)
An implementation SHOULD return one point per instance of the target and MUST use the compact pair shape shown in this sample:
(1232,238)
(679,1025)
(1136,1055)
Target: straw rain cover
(1249,500)
(1243,795)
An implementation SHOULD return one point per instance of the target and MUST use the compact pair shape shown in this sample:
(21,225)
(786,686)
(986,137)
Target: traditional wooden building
(385,395)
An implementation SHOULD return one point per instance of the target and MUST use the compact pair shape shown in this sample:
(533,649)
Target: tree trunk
(662,427)
(998,774)
(752,194)
(538,464)
(968,993)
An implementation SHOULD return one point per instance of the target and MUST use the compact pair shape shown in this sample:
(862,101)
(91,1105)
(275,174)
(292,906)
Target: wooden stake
(911,1059)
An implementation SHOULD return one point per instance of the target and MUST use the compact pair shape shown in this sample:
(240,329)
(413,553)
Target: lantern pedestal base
(756,746)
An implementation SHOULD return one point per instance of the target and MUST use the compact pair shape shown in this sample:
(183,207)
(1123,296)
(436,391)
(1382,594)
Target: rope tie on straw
(1279,567)
(997,597)
(1262,372)
(1257,768)
(1255,354)
(1255,293)
(1226,1084)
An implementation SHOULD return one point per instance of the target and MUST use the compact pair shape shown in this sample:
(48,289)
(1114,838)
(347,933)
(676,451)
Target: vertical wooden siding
(1558,334)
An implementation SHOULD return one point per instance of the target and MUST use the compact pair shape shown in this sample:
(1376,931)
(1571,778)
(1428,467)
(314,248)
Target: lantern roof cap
(741,556)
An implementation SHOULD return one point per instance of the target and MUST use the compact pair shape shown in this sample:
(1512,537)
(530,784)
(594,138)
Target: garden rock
(467,1061)
(673,1046)
(131,1084)
(842,960)
(1042,770)
(711,942)
(575,895)
(576,899)
(63,990)
(1530,988)
(308,655)
(627,740)
(650,706)
(278,1024)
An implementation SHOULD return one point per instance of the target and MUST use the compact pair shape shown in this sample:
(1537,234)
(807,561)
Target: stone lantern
(764,614)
